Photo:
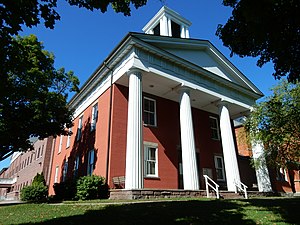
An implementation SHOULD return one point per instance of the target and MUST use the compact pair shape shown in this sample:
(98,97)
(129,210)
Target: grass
(277,211)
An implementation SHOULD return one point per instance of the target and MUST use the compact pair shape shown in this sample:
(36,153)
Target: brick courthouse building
(158,111)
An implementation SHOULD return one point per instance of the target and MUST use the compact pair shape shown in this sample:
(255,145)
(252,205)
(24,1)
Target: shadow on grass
(286,208)
(176,212)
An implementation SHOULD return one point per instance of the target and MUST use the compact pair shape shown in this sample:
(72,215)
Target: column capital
(135,71)
(184,89)
(222,103)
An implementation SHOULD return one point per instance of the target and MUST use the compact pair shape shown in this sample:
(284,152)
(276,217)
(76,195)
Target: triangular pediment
(202,54)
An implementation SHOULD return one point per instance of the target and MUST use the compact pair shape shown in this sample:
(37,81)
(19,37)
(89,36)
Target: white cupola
(168,23)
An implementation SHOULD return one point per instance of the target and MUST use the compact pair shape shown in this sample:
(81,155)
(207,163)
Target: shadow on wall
(76,165)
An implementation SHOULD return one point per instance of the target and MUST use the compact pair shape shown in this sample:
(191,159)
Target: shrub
(89,187)
(34,193)
(37,191)
(39,179)
(65,190)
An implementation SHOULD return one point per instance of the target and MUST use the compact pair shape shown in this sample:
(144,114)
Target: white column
(182,31)
(164,26)
(262,173)
(169,26)
(189,162)
(134,149)
(229,152)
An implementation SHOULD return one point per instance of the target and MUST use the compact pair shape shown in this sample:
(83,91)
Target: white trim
(147,146)
(95,110)
(217,128)
(222,168)
(69,138)
(59,147)
(155,114)
(56,174)
(79,128)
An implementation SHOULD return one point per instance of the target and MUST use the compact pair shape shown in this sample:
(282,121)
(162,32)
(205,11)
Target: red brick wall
(96,140)
(166,135)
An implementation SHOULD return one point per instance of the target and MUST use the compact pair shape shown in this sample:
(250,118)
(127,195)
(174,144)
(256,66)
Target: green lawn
(193,211)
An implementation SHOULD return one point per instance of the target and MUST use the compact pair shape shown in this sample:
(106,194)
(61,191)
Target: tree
(268,29)
(33,93)
(33,97)
(275,123)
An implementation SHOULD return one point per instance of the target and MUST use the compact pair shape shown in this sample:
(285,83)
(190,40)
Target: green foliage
(33,96)
(65,190)
(265,29)
(275,122)
(89,187)
(39,179)
(33,93)
(34,193)
(37,191)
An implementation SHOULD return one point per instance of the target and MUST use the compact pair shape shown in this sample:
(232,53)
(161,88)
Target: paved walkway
(10,202)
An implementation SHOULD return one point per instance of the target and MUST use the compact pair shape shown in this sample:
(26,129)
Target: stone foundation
(154,193)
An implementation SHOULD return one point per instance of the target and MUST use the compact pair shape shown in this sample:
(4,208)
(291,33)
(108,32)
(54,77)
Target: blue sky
(82,39)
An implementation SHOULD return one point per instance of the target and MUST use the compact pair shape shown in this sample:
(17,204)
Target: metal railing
(210,183)
(242,187)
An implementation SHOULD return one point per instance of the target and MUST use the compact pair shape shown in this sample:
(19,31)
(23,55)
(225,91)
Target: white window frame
(145,111)
(216,157)
(65,171)
(147,146)
(91,165)
(69,138)
(60,144)
(79,128)
(94,116)
(56,174)
(76,166)
(214,128)
(281,174)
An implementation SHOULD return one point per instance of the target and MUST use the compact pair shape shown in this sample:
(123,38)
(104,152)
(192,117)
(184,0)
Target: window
(214,126)
(38,154)
(76,166)
(281,174)
(91,160)
(151,167)
(56,174)
(220,170)
(94,117)
(42,149)
(60,144)
(65,171)
(149,112)
(79,129)
(69,138)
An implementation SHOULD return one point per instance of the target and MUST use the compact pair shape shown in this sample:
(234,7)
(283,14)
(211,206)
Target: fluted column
(229,152)
(134,149)
(189,162)
(262,173)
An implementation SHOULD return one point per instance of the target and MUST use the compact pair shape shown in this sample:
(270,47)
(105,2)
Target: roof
(157,44)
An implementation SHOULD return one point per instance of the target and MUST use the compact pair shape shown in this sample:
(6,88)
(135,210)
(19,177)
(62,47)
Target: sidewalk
(10,202)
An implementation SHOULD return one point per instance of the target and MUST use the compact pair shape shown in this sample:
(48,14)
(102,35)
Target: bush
(89,187)
(37,191)
(39,179)
(65,190)
(34,193)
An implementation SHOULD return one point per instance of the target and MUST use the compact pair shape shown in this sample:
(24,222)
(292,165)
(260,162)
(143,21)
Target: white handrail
(215,187)
(242,187)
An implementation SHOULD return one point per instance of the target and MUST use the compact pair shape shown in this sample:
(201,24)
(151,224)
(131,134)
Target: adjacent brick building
(24,166)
